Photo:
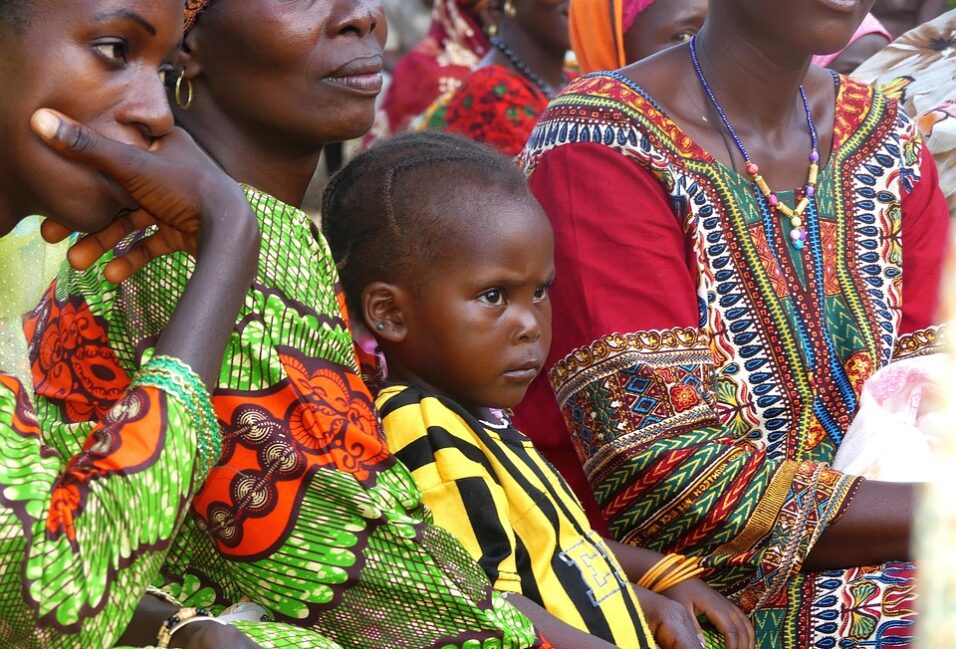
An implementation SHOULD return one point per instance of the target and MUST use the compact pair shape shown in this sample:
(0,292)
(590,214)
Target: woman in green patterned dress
(307,513)
(82,534)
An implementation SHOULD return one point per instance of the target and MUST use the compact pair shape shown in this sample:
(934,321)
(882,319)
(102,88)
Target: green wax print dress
(307,513)
(82,536)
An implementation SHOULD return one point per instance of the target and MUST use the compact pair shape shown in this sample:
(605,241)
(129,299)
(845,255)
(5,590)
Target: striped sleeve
(458,484)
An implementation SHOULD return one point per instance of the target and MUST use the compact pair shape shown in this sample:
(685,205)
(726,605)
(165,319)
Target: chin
(84,209)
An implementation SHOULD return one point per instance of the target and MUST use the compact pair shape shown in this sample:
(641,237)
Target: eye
(684,36)
(493,297)
(113,51)
(542,293)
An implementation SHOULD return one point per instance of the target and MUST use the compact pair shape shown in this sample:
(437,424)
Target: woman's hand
(673,625)
(697,598)
(173,185)
(211,635)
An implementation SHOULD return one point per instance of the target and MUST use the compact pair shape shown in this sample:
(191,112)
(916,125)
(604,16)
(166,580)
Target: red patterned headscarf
(193,9)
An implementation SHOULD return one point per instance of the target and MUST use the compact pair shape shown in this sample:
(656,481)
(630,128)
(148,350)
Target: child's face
(479,325)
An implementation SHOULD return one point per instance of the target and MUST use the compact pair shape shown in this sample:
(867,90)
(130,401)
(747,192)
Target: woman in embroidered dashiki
(717,325)
(609,35)
(455,44)
(307,513)
(500,102)
(84,530)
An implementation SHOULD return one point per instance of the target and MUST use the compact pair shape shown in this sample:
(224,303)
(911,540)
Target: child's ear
(382,311)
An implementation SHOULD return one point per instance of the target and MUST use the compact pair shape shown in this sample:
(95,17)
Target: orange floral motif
(859,367)
(64,505)
(684,397)
(72,360)
(335,414)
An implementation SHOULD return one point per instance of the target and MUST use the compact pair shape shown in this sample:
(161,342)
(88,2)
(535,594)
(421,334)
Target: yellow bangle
(670,571)
(658,569)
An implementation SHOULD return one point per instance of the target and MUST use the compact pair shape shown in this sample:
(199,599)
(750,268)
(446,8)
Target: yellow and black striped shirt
(493,490)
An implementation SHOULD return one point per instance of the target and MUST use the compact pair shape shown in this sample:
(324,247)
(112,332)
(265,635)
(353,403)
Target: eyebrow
(128,15)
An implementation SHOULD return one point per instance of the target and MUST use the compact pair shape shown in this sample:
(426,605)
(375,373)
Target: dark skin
(273,82)
(123,167)
(537,33)
(900,16)
(478,329)
(664,24)
(755,73)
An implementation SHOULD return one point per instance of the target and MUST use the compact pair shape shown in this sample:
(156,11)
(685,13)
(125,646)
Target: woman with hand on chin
(307,513)
(85,528)
(743,239)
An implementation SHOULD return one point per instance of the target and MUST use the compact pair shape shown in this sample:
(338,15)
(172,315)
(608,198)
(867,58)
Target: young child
(447,258)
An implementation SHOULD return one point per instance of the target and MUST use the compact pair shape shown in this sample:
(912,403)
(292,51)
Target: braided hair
(389,213)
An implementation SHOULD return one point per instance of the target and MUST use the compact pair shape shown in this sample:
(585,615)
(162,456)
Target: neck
(543,60)
(751,76)
(399,373)
(254,159)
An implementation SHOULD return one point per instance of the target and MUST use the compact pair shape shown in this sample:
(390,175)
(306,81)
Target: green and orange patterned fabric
(704,370)
(82,534)
(306,512)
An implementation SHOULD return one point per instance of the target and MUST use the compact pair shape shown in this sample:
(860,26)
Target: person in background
(919,71)
(900,16)
(456,42)
(610,35)
(870,38)
(500,101)
(742,240)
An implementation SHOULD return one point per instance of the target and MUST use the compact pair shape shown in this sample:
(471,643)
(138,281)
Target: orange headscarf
(193,9)
(597,31)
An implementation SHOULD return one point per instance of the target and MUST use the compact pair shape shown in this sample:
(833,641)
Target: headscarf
(457,30)
(597,31)
(193,9)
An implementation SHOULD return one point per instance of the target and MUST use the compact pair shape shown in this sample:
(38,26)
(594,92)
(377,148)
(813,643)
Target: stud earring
(510,9)
(379,326)
(491,30)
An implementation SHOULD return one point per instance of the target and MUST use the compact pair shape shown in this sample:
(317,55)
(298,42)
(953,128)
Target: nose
(359,17)
(145,110)
(527,326)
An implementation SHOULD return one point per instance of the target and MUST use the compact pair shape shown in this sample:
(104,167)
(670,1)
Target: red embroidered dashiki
(706,370)
(494,105)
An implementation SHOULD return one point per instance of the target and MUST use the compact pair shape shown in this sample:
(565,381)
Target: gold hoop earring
(178,94)
(510,9)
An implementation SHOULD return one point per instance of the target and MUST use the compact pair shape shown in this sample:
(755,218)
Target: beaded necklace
(798,233)
(523,68)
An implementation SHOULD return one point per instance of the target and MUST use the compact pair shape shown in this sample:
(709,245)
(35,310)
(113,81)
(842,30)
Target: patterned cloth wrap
(493,105)
(706,425)
(83,532)
(919,70)
(306,513)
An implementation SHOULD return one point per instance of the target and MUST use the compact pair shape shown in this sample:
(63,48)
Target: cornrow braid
(387,214)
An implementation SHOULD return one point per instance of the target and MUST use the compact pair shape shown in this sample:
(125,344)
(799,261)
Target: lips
(363,75)
(525,372)
(843,6)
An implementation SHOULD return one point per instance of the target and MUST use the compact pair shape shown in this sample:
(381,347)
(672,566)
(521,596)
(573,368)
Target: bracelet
(163,595)
(178,620)
(176,378)
(671,570)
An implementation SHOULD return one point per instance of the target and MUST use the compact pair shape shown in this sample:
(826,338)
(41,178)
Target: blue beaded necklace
(523,68)
(798,232)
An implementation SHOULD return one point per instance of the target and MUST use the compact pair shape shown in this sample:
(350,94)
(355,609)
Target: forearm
(205,316)
(875,528)
(558,633)
(635,561)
